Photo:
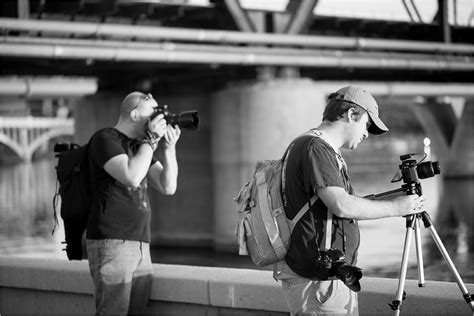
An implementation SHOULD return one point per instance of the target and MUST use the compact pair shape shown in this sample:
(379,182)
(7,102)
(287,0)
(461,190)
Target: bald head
(130,102)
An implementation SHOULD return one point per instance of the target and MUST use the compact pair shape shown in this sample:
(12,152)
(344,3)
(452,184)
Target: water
(26,192)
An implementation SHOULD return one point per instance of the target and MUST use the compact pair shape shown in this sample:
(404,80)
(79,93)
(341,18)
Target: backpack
(73,176)
(263,230)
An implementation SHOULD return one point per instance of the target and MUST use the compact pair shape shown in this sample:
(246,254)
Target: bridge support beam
(451,137)
(461,162)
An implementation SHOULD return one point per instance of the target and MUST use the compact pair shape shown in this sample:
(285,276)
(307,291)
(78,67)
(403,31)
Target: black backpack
(73,176)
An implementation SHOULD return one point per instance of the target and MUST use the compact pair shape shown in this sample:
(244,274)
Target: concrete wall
(57,287)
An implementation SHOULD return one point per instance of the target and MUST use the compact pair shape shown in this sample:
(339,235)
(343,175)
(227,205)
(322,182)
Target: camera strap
(327,232)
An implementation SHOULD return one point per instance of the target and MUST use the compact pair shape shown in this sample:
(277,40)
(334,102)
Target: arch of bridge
(24,135)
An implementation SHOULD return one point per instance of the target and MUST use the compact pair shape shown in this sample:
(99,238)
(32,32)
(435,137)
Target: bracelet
(151,140)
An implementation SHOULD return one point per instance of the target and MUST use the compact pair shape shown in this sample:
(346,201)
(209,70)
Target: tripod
(413,224)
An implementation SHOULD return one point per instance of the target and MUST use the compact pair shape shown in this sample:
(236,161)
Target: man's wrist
(170,149)
(151,140)
(146,142)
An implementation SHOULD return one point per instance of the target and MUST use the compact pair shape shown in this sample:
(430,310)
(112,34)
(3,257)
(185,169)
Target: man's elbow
(168,185)
(130,183)
(341,209)
(169,189)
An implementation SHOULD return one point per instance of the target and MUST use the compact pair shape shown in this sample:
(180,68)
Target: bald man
(118,231)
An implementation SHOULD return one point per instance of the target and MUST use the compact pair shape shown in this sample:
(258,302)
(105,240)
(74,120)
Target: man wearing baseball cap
(319,275)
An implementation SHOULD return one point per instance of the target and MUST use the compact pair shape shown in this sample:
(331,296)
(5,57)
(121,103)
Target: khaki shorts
(308,297)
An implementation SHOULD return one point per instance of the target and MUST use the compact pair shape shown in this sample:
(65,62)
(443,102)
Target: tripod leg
(419,253)
(396,304)
(428,224)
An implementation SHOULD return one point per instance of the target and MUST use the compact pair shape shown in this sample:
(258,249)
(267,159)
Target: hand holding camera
(186,120)
(409,204)
(157,125)
(171,136)
(154,130)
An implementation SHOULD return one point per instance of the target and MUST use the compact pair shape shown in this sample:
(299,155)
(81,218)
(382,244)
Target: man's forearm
(169,175)
(139,164)
(345,205)
(361,208)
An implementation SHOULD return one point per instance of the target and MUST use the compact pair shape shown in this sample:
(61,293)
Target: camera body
(412,171)
(331,263)
(186,120)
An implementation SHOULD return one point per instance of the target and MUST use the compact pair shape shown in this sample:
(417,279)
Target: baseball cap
(365,100)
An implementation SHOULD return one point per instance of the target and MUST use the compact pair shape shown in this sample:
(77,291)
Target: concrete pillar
(451,137)
(185,218)
(94,112)
(250,122)
(461,162)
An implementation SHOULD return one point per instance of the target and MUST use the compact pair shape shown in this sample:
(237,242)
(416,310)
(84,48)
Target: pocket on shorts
(292,283)
(326,291)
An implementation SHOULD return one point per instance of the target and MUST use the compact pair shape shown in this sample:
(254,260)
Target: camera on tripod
(331,263)
(186,120)
(411,171)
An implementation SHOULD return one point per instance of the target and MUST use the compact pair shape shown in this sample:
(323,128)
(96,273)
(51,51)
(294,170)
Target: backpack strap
(270,225)
(283,175)
(313,198)
(303,210)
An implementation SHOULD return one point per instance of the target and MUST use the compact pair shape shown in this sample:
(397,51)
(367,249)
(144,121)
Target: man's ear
(351,115)
(134,115)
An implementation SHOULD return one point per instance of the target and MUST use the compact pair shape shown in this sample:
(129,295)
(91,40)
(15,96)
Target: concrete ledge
(42,286)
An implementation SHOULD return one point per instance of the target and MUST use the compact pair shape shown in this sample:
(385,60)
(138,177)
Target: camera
(186,120)
(411,171)
(331,263)
(61,147)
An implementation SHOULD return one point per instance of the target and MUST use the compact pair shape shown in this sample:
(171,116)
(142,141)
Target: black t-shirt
(311,164)
(118,211)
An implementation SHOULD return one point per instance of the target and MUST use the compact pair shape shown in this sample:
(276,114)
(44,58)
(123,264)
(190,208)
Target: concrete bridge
(58,287)
(24,135)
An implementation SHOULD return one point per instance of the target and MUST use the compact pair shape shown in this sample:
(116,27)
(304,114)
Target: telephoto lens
(187,120)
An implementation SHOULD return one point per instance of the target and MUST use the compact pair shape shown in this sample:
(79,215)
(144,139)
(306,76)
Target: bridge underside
(174,76)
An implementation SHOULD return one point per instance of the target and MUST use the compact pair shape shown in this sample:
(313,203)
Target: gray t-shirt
(311,164)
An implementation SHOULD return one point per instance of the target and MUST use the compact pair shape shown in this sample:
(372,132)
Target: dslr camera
(331,263)
(186,120)
(411,171)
